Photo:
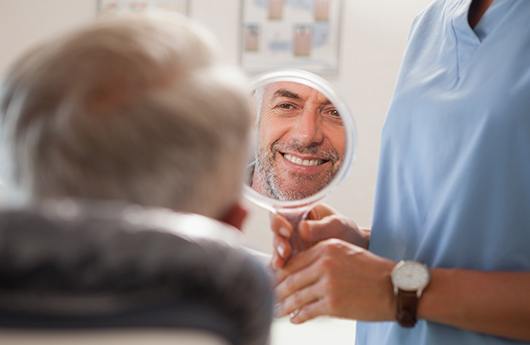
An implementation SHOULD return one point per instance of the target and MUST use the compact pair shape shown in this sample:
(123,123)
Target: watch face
(410,276)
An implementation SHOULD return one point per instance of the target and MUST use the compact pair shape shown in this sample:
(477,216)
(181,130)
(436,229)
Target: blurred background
(373,37)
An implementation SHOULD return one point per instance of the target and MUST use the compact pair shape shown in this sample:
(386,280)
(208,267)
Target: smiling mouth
(303,162)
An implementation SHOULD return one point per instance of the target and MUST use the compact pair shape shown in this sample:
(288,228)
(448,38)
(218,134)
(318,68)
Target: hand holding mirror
(304,144)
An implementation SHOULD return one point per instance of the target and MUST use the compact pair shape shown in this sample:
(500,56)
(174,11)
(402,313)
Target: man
(137,110)
(301,141)
(453,194)
(127,112)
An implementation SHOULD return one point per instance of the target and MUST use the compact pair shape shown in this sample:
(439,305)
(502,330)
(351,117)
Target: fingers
(282,248)
(321,211)
(277,262)
(322,229)
(299,299)
(299,262)
(282,252)
(281,226)
(310,311)
(295,282)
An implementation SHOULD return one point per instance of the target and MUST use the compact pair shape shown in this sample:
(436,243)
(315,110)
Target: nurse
(453,196)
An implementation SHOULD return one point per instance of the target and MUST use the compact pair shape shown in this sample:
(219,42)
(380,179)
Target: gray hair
(136,109)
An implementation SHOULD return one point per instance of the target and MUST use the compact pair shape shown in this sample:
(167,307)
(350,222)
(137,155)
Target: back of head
(136,109)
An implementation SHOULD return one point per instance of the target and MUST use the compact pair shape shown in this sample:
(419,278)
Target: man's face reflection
(301,142)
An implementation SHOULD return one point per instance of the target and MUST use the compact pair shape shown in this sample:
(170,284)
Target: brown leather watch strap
(406,308)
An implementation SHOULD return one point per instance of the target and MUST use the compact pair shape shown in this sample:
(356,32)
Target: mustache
(327,152)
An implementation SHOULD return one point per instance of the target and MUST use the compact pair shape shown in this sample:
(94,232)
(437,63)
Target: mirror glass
(304,140)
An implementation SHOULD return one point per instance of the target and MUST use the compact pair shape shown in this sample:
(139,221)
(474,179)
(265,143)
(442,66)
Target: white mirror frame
(320,84)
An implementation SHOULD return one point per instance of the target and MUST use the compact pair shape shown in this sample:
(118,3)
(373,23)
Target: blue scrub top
(454,181)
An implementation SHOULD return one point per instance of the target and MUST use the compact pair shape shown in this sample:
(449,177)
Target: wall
(373,39)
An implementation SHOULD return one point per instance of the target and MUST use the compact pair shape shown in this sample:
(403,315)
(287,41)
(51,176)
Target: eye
(286,109)
(332,113)
(285,106)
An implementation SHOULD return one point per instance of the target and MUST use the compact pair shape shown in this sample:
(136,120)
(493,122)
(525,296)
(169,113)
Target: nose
(308,129)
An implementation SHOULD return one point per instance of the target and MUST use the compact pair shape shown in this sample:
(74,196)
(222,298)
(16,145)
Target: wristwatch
(409,279)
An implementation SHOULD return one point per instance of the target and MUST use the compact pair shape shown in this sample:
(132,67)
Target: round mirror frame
(320,84)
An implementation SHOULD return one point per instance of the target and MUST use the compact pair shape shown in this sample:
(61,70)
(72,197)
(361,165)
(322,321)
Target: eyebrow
(286,93)
(293,95)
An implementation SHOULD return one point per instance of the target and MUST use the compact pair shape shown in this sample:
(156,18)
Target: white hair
(136,109)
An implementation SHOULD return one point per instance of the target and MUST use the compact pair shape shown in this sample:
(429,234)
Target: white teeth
(304,162)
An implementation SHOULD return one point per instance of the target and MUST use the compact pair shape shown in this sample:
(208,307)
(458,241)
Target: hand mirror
(304,144)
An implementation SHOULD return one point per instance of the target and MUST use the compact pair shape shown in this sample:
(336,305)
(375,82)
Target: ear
(235,216)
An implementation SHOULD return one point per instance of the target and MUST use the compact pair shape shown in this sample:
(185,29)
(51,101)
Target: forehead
(291,89)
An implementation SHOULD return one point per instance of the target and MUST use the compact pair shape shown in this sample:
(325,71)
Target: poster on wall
(290,34)
(133,6)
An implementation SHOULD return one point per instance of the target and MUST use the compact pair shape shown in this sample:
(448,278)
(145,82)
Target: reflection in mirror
(301,141)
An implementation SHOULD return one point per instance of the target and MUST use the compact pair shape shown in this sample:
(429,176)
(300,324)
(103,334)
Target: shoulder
(437,10)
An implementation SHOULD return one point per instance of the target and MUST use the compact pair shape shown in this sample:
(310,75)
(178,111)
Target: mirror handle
(295,216)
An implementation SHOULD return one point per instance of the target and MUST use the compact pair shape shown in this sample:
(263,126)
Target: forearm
(495,303)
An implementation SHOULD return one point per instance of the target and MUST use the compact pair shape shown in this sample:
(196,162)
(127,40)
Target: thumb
(281,226)
(319,230)
(321,211)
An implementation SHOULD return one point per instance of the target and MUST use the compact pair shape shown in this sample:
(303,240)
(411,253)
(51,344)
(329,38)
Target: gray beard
(271,183)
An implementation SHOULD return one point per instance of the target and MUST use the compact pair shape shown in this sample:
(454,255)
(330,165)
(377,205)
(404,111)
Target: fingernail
(284,232)
(281,250)
(293,317)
